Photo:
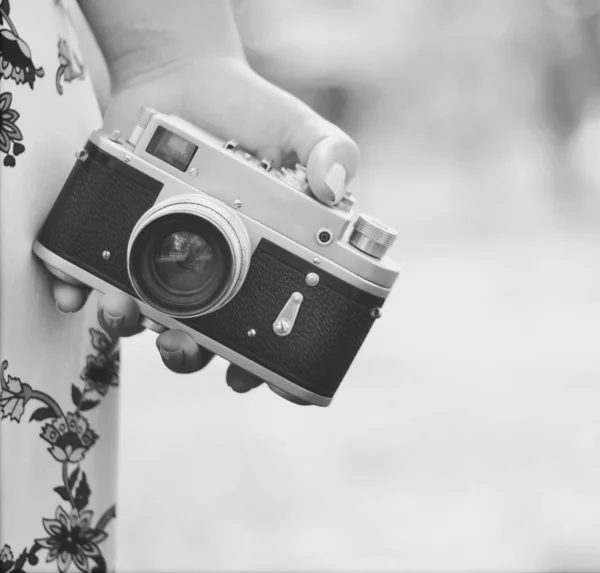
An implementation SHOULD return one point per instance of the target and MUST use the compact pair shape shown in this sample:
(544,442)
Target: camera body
(215,242)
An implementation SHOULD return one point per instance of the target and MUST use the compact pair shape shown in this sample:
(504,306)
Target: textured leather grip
(100,203)
(332,323)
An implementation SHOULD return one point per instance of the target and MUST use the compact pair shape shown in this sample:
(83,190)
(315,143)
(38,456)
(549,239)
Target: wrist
(134,72)
(167,89)
(139,40)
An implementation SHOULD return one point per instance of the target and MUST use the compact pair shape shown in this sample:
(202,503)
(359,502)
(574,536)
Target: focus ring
(218,215)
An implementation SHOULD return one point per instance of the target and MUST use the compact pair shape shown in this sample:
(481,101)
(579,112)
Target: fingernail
(113,320)
(336,180)
(172,355)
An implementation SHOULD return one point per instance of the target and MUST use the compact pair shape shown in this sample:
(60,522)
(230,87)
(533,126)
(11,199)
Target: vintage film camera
(213,241)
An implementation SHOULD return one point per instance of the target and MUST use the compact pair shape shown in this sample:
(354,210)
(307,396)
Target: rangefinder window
(172,149)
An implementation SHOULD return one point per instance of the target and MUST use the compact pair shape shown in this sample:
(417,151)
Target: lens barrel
(188,256)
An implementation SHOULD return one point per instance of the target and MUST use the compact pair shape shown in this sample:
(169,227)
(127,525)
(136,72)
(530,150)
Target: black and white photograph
(300,286)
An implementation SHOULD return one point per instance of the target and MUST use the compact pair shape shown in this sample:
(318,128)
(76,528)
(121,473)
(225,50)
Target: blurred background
(466,436)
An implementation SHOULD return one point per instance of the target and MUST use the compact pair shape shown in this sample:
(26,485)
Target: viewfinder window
(171,148)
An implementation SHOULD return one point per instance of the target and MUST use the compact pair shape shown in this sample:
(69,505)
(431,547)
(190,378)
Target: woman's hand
(225,97)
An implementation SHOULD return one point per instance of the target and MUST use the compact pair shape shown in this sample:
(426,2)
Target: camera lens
(188,259)
(185,263)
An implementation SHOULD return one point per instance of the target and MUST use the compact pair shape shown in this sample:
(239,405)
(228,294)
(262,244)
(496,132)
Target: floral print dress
(58,373)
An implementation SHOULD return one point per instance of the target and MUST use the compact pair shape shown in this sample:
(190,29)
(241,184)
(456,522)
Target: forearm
(138,37)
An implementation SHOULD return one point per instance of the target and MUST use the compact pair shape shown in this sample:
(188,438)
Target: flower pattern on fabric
(70,437)
(8,564)
(15,56)
(71,539)
(10,134)
(101,372)
(7,559)
(13,395)
(15,60)
(102,369)
(70,67)
(100,341)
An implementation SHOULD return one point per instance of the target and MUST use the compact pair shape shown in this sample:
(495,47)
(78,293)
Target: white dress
(58,397)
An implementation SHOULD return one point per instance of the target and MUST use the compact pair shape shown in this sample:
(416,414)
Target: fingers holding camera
(119,314)
(180,352)
(283,121)
(241,381)
(282,127)
(331,157)
(182,355)
(331,166)
(69,298)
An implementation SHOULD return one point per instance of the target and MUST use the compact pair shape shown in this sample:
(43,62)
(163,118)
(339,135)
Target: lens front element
(185,263)
(188,256)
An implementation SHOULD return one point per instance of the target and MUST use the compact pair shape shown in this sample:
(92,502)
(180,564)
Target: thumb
(330,156)
(265,120)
